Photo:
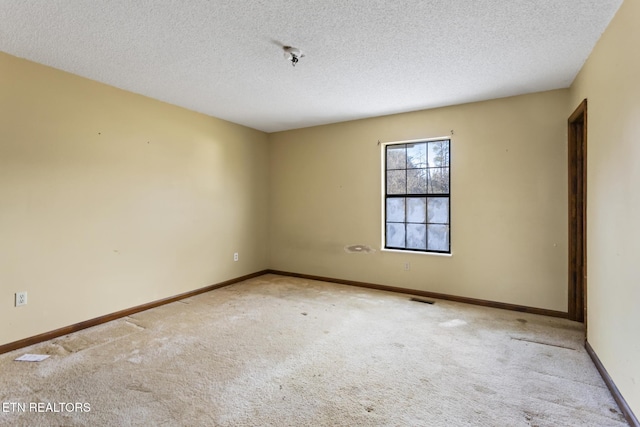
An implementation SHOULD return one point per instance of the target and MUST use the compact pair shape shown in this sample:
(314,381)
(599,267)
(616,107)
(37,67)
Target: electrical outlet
(235,256)
(407,266)
(21,298)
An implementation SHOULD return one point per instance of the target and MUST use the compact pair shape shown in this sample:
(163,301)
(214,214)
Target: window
(417,200)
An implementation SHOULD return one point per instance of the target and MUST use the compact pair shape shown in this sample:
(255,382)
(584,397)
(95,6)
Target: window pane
(395,235)
(416,209)
(438,210)
(416,236)
(396,156)
(417,155)
(395,209)
(438,153)
(397,182)
(438,237)
(438,180)
(416,181)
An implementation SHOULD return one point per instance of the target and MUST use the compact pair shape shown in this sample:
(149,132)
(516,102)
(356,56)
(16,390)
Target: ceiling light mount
(292,54)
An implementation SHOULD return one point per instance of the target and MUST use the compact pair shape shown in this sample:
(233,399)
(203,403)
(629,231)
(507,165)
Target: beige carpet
(280,351)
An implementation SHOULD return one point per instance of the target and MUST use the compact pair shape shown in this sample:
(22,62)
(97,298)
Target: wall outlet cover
(21,298)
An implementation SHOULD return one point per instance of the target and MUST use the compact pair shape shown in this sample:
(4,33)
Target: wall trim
(617,396)
(465,300)
(36,339)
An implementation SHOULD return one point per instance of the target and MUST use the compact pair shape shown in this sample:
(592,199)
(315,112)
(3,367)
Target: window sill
(399,251)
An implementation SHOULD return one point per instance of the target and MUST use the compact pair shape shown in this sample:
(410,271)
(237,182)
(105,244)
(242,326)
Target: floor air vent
(426,301)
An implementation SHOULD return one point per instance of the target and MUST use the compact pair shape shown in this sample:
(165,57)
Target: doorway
(577,150)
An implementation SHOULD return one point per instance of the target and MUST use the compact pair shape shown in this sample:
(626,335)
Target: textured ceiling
(363,57)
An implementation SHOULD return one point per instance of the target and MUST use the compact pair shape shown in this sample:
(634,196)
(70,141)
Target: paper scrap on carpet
(32,357)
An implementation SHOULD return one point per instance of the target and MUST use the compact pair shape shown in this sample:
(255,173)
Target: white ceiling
(363,58)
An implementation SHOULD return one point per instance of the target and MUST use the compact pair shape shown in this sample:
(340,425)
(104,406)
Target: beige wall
(110,200)
(509,201)
(610,80)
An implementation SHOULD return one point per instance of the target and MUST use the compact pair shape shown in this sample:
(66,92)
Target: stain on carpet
(484,390)
(138,387)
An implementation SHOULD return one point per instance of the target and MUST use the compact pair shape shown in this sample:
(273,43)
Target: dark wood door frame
(577,150)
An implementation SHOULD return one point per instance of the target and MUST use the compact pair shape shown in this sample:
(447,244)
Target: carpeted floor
(281,351)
